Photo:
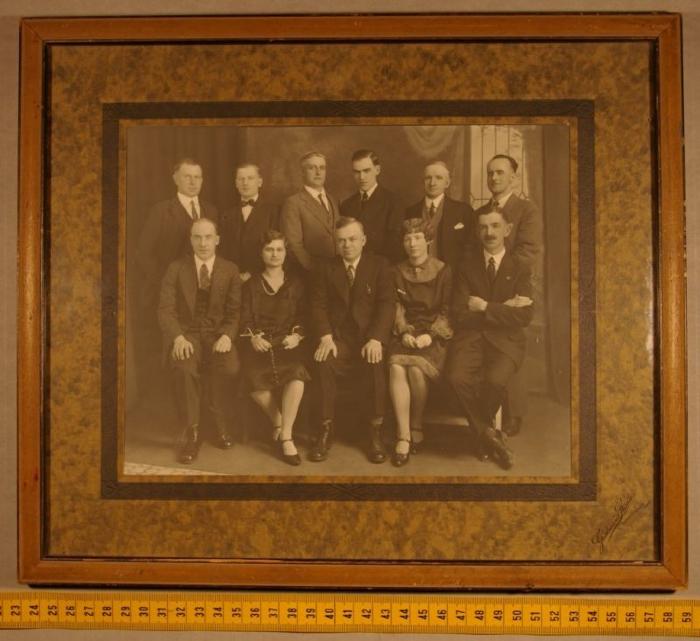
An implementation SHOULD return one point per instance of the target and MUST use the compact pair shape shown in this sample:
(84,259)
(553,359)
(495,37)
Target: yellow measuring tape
(348,612)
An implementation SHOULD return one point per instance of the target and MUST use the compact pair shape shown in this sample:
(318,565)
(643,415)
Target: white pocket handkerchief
(459,226)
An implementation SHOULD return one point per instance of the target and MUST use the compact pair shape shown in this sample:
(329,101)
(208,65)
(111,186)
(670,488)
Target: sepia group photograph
(369,302)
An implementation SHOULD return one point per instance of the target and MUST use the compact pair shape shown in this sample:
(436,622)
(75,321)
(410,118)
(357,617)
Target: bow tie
(245,203)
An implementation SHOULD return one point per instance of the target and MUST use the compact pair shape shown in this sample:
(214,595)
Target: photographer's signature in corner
(625,509)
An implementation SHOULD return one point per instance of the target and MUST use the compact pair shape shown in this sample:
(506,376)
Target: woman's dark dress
(423,294)
(274,315)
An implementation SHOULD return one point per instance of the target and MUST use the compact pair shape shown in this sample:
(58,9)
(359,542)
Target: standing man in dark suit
(450,221)
(525,244)
(491,305)
(378,209)
(199,314)
(242,227)
(166,232)
(308,217)
(353,303)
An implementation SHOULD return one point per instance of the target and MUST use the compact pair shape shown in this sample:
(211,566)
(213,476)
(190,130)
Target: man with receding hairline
(308,217)
(353,303)
(450,221)
(199,314)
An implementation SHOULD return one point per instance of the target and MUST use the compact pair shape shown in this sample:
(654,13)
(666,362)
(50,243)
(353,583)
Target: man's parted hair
(510,159)
(346,221)
(495,210)
(361,154)
(311,154)
(417,226)
(205,220)
(185,161)
(246,165)
(439,163)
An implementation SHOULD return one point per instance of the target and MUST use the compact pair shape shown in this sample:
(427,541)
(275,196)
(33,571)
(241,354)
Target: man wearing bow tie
(451,221)
(378,209)
(308,217)
(492,303)
(352,313)
(199,313)
(242,227)
(525,244)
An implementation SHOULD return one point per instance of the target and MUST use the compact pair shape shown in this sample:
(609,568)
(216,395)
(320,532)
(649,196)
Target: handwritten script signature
(624,510)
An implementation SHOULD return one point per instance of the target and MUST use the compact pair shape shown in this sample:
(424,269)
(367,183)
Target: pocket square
(369,290)
(459,226)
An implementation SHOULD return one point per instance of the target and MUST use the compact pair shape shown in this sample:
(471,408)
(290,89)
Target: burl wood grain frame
(667,571)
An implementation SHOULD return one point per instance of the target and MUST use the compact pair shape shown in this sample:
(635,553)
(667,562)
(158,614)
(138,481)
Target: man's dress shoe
(189,445)
(499,450)
(376,453)
(319,451)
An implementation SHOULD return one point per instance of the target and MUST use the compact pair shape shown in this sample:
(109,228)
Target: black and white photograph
(349,301)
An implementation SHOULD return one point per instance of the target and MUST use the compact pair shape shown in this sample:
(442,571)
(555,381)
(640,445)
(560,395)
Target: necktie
(323,201)
(193,210)
(247,203)
(491,270)
(363,199)
(204,280)
(494,205)
(351,274)
(431,211)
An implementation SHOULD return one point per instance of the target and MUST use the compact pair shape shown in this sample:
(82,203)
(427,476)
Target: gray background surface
(12,10)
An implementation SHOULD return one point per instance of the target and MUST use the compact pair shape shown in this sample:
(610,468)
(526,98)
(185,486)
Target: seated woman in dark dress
(271,315)
(417,352)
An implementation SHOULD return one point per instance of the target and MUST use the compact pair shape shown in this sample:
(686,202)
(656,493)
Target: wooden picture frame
(81,523)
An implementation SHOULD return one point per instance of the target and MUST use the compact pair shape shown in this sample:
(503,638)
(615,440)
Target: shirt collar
(315,192)
(209,263)
(497,258)
(254,198)
(503,199)
(353,263)
(186,203)
(369,192)
(437,200)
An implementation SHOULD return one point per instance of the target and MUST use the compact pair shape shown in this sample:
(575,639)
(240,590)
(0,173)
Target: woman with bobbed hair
(271,320)
(421,329)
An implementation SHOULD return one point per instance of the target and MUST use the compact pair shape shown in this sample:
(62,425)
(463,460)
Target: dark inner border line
(584,490)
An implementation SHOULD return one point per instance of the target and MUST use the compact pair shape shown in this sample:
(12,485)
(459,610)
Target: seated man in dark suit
(524,244)
(379,210)
(353,304)
(199,314)
(242,227)
(450,221)
(491,304)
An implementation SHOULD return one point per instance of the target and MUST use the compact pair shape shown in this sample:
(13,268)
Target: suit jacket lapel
(215,281)
(189,283)
(340,279)
(504,276)
(318,209)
